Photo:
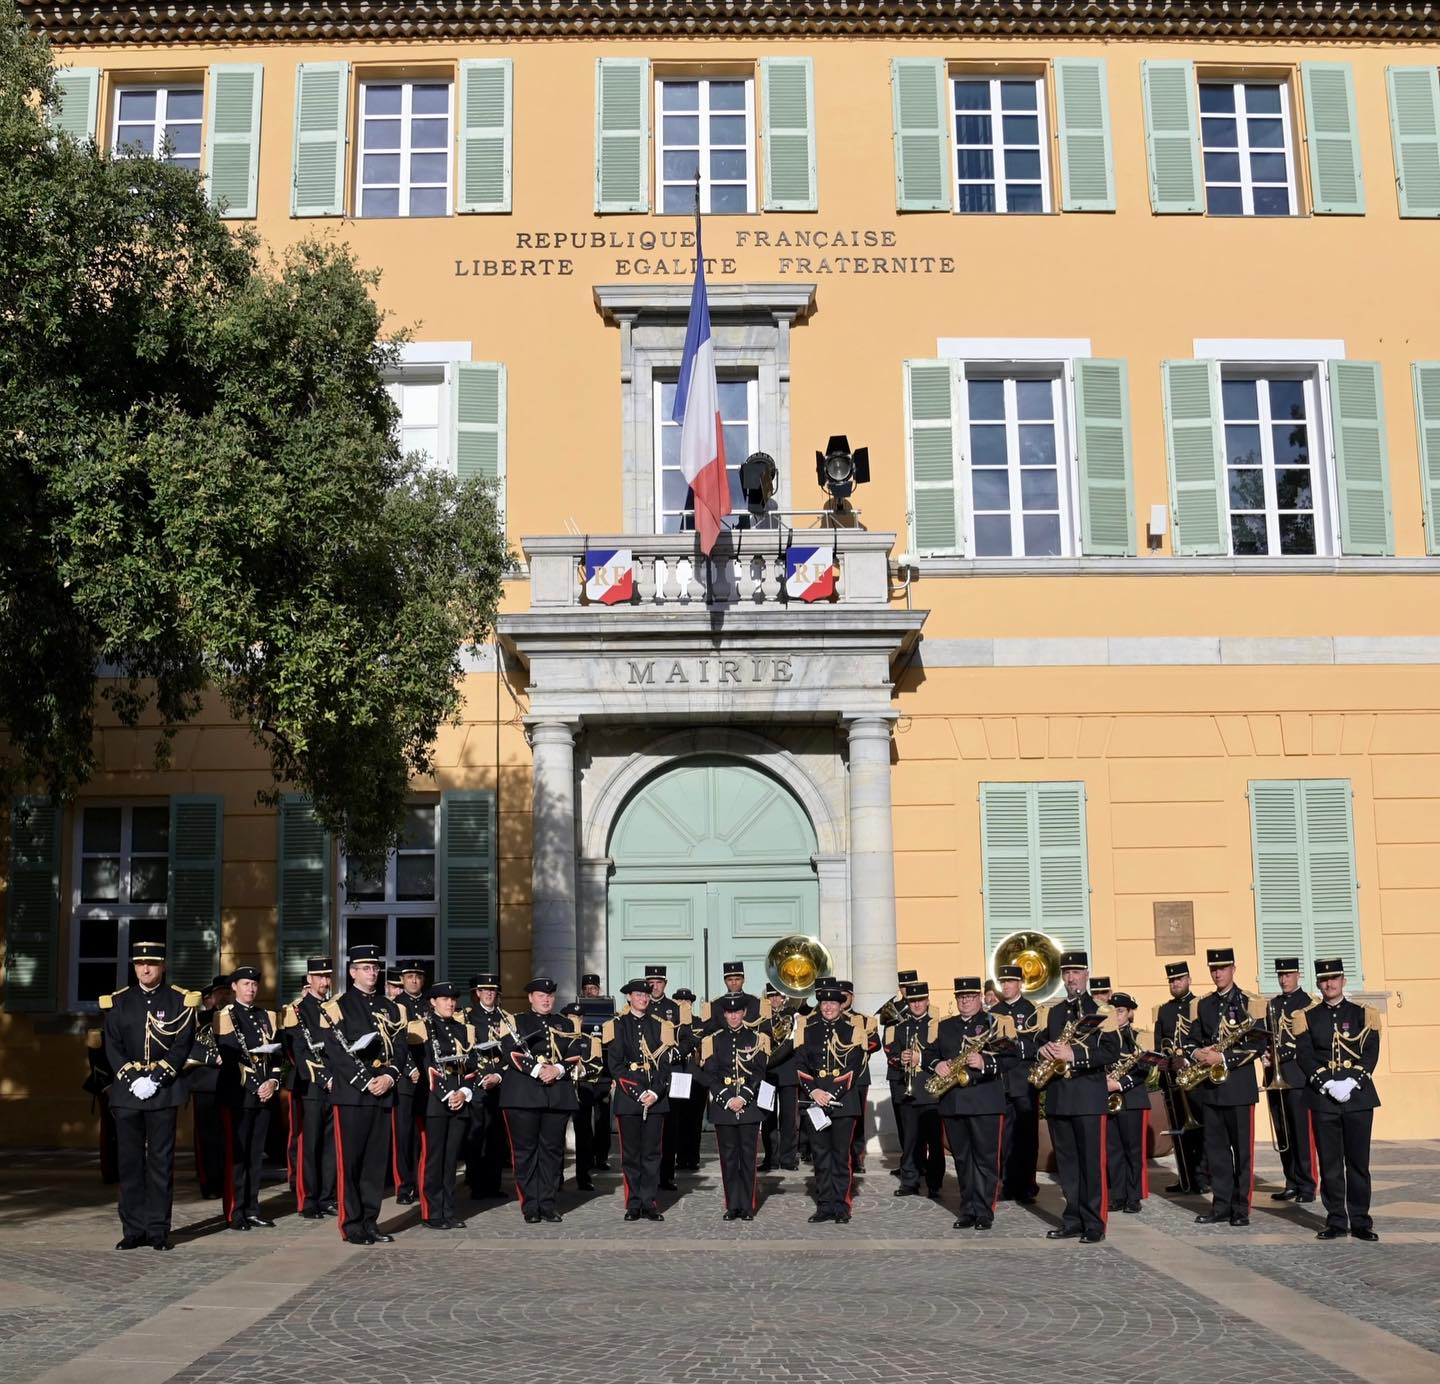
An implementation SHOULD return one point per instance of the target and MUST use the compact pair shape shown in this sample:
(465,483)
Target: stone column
(592,882)
(832,874)
(872,862)
(552,939)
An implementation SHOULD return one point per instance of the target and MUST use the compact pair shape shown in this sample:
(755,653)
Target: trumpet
(1216,1072)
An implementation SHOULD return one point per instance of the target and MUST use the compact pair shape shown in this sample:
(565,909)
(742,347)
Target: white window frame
(704,114)
(1242,136)
(407,377)
(163,92)
(997,148)
(1322,460)
(430,362)
(752,428)
(390,908)
(122,913)
(407,87)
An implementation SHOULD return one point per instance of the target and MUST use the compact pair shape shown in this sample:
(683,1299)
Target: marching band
(370,1077)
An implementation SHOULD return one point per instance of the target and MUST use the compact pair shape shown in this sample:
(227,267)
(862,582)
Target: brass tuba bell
(1038,958)
(795,963)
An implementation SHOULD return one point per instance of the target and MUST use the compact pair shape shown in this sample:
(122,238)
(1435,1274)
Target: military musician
(1100,989)
(486,1149)
(364,1053)
(1080,1043)
(679,1115)
(202,1078)
(598,1110)
(537,1097)
(832,1050)
(443,1049)
(1285,1086)
(1173,1021)
(1337,1048)
(970,1059)
(312,1131)
(1020,1150)
(732,1064)
(686,1117)
(404,1131)
(641,1052)
(872,1044)
(1127,1127)
(149,1031)
(781,1131)
(1227,1036)
(249,1042)
(909,1046)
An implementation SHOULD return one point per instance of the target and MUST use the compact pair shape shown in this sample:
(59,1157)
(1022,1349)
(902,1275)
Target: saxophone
(1127,1063)
(1046,1069)
(937,1085)
(1217,1072)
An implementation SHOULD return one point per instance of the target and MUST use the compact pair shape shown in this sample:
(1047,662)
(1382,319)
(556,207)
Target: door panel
(656,924)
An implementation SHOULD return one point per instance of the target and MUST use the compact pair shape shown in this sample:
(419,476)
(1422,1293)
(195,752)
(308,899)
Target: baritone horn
(1038,958)
(795,963)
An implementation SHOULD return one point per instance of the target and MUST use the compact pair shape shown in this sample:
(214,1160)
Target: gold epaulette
(860,1027)
(108,1001)
(705,1011)
(469,1035)
(192,997)
(933,1033)
(507,1016)
(94,1039)
(607,1034)
(1155,1016)
(686,1012)
(292,1016)
(888,1036)
(1298,1022)
(331,1009)
(868,1023)
(1373,1018)
(415,1032)
(797,1034)
(595,1048)
(707,1047)
(762,1041)
(574,1022)
(667,1031)
(1112,1020)
(224,1023)
(1005,1025)
(1042,1017)
(274,1019)
(1259,1010)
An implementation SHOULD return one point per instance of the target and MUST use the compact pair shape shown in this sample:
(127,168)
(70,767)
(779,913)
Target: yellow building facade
(1135,637)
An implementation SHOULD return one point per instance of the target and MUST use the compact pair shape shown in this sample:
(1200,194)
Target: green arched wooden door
(712,864)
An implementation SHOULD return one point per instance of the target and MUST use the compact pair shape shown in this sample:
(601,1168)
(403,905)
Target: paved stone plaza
(897,1294)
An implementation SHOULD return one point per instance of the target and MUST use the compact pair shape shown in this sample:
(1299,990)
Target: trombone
(1280,1026)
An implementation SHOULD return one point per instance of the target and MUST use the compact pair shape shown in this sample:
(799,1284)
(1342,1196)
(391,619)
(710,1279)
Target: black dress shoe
(790,1167)
(747,1215)
(379,1237)
(984,1225)
(161,1244)
(767,1166)
(330,1209)
(532,1218)
(406,1198)
(730,1215)
(653,1214)
(1211,1218)
(1369,1236)
(842,1218)
(1091,1237)
(669,1186)
(1333,1232)
(361,1240)
(435,1225)
(261,1222)
(1289,1194)
(551,1217)
(821,1216)
(1115,1206)
(132,1242)
(1131,1208)
(1239,1220)
(240,1225)
(933,1193)
(629,1216)
(584,1184)
(455,1225)
(906,1192)
(1062,1234)
(1303,1201)
(964,1223)
(600,1166)
(1178,1188)
(313,1213)
(1026,1201)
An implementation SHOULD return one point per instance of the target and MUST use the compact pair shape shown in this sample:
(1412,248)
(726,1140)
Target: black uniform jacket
(1081,1091)
(411,1007)
(733,1063)
(202,1067)
(149,1033)
(1134,1093)
(347,1021)
(443,1052)
(241,1032)
(1240,1087)
(640,1053)
(534,1037)
(303,1035)
(1336,1042)
(1022,1013)
(489,1026)
(782,1065)
(832,1056)
(984,1093)
(1173,1022)
(919,1036)
(712,1020)
(1280,1011)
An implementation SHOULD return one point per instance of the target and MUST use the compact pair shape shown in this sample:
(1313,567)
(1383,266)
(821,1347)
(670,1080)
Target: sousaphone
(795,963)
(1038,958)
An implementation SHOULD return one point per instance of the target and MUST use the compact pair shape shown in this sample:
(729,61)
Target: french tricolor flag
(697,410)
(810,571)
(609,575)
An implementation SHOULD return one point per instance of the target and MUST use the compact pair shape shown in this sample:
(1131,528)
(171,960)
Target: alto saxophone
(1216,1072)
(937,1085)
(1127,1063)
(1046,1069)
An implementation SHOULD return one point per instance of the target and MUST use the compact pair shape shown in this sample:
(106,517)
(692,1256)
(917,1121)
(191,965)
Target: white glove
(362,1042)
(1344,1089)
(468,1094)
(143,1087)
(266,1047)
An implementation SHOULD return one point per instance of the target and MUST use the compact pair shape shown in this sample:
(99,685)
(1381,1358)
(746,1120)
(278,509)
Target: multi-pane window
(404,149)
(396,908)
(707,127)
(1000,144)
(420,395)
(162,121)
(674,502)
(1271,469)
(1245,133)
(1019,496)
(120,891)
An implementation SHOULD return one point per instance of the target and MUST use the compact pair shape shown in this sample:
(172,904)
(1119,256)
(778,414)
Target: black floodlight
(839,470)
(758,478)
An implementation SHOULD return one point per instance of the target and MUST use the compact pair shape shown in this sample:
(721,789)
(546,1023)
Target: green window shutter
(1193,452)
(322,95)
(1332,893)
(1034,862)
(77,112)
(1087,165)
(922,134)
(1427,428)
(486,104)
(622,134)
(303,916)
(232,139)
(197,823)
(1415,137)
(1306,897)
(468,927)
(1337,176)
(788,135)
(1357,407)
(477,422)
(932,452)
(32,907)
(1172,136)
(1107,503)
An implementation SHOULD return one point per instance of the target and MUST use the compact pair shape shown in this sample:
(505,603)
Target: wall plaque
(1174,927)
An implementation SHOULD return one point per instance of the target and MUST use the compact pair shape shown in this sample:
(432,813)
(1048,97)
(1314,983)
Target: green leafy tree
(201,489)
